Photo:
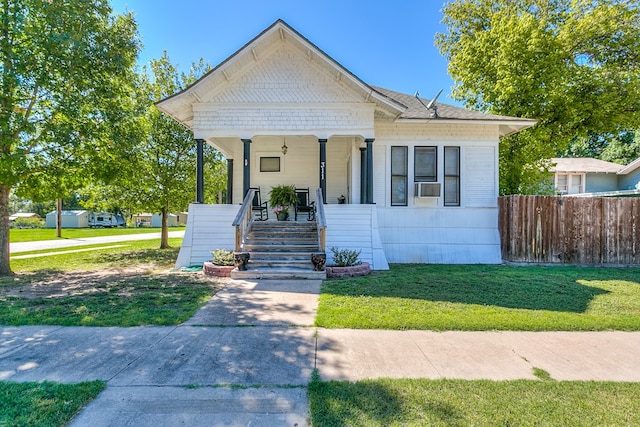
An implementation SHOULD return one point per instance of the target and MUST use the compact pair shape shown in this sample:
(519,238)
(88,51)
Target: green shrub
(222,257)
(345,257)
(283,195)
(27,223)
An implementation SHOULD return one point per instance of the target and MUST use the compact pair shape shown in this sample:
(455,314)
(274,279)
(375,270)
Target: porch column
(369,142)
(246,171)
(323,169)
(363,175)
(229,181)
(200,171)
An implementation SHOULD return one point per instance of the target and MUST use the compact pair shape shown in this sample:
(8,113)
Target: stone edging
(352,271)
(210,269)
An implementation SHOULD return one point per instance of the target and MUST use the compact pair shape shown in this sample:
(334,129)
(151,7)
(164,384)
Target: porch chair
(303,205)
(258,206)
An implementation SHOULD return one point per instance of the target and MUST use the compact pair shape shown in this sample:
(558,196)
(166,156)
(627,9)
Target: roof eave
(507,127)
(630,167)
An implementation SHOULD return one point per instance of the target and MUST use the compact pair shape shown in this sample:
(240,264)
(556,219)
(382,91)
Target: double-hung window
(399,175)
(452,176)
(425,164)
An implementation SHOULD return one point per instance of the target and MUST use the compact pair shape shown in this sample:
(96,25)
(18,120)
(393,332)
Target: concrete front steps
(281,250)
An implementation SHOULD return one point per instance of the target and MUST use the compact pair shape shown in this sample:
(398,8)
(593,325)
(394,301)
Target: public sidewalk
(257,336)
(18,247)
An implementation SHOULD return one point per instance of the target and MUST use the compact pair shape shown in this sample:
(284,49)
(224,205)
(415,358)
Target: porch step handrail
(321,220)
(243,219)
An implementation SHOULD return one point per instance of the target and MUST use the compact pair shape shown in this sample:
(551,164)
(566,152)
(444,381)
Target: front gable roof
(266,47)
(244,77)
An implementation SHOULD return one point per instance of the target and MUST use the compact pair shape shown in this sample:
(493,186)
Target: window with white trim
(399,175)
(570,183)
(452,176)
(425,164)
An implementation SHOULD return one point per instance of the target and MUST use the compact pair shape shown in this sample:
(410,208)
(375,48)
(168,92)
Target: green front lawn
(124,286)
(481,297)
(418,402)
(44,404)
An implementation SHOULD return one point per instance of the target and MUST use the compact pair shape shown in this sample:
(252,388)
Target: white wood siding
(440,236)
(479,177)
(208,228)
(355,227)
(478,160)
(425,231)
(337,181)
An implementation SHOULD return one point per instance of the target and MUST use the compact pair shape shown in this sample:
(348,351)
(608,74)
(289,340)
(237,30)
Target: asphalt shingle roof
(415,109)
(584,164)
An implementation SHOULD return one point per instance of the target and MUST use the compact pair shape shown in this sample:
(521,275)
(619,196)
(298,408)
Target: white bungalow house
(419,179)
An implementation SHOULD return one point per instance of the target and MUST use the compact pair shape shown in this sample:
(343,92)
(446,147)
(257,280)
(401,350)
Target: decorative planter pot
(318,261)
(241,259)
(211,269)
(282,216)
(352,271)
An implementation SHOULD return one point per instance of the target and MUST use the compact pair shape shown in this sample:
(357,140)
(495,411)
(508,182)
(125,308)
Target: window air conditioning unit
(427,189)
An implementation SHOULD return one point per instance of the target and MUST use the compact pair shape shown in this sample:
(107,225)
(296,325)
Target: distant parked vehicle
(106,220)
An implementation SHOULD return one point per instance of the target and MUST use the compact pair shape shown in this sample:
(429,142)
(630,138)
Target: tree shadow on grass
(111,297)
(377,402)
(509,287)
(140,256)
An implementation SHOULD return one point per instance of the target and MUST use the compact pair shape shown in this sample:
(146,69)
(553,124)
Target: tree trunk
(59,219)
(5,267)
(164,234)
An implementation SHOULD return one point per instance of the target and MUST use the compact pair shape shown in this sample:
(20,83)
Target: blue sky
(385,43)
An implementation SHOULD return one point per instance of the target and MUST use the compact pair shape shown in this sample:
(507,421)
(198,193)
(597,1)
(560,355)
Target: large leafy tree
(572,65)
(64,68)
(623,149)
(161,172)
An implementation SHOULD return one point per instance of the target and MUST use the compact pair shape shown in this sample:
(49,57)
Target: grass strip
(136,252)
(483,297)
(44,404)
(36,234)
(419,402)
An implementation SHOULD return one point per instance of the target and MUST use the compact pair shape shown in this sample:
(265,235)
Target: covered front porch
(348,226)
(338,165)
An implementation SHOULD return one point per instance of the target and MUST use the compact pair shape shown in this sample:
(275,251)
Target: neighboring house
(142,220)
(587,176)
(70,219)
(23,215)
(420,181)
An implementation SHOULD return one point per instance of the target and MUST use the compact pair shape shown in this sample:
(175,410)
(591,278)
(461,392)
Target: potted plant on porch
(281,198)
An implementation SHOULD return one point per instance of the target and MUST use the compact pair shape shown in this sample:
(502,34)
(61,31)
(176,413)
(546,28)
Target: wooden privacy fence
(575,230)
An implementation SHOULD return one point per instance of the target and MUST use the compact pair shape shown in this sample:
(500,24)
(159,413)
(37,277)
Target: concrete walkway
(42,245)
(247,356)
